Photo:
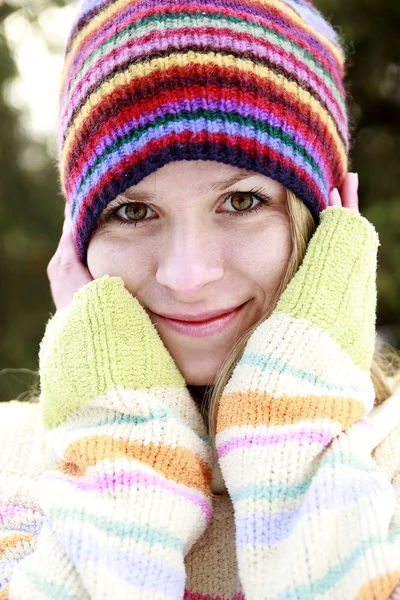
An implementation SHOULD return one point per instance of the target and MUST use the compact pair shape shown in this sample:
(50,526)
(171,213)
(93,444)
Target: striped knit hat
(257,84)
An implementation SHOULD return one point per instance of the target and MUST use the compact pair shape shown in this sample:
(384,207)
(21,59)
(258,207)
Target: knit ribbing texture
(125,509)
(252,84)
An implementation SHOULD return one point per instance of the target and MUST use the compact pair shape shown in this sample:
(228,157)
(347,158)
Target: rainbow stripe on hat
(253,84)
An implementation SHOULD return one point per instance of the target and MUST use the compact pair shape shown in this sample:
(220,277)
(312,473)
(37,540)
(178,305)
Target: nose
(189,260)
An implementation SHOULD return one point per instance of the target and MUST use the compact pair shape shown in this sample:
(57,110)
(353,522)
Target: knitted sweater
(106,486)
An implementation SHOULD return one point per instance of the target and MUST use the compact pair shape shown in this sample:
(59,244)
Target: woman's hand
(348,196)
(65,271)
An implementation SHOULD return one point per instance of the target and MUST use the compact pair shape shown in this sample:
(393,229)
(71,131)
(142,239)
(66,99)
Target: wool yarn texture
(253,84)
(124,505)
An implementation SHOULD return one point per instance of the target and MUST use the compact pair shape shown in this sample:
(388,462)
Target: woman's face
(185,244)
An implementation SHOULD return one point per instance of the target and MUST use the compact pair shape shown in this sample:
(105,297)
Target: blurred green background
(32,38)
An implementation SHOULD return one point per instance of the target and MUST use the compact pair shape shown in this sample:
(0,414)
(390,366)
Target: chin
(198,372)
(198,379)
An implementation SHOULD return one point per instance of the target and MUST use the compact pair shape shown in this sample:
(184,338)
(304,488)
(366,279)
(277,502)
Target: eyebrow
(217,186)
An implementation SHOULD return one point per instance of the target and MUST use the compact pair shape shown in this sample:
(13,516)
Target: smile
(202,328)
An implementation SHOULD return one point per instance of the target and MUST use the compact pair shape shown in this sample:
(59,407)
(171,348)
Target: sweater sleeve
(315,517)
(21,464)
(128,491)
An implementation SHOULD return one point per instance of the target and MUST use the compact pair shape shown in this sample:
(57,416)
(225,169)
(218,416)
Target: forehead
(198,177)
(201,179)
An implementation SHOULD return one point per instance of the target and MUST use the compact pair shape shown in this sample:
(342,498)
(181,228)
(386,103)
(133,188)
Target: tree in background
(31,204)
(31,208)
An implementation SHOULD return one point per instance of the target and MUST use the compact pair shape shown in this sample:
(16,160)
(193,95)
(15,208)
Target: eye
(246,202)
(133,212)
(241,201)
(130,214)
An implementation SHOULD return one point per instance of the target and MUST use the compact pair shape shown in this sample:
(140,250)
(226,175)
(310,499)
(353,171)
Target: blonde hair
(385,370)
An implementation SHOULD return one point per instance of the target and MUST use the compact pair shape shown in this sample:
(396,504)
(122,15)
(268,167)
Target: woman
(208,262)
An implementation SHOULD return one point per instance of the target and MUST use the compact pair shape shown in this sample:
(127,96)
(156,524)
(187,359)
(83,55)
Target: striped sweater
(109,485)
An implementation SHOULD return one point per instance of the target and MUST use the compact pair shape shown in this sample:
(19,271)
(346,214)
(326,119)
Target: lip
(200,317)
(205,327)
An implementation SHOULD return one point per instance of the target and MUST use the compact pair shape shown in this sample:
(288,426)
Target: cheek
(118,257)
(263,256)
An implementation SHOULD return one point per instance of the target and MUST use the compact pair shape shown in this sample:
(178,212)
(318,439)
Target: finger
(67,225)
(349,191)
(67,218)
(66,246)
(334,198)
(67,213)
(66,228)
